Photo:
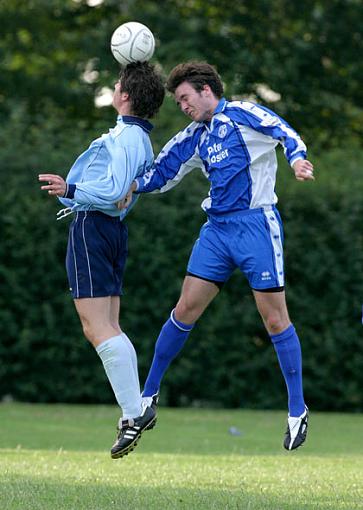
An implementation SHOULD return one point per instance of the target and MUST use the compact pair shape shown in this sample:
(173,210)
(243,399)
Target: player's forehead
(184,90)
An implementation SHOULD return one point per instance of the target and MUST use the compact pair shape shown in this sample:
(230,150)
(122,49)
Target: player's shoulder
(240,106)
(248,110)
(127,134)
(192,128)
(122,128)
(191,131)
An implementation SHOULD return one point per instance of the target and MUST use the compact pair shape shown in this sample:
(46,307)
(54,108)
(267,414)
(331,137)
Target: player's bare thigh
(195,297)
(95,314)
(273,310)
(115,312)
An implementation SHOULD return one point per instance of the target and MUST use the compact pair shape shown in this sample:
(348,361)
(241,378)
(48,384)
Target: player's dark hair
(197,74)
(145,88)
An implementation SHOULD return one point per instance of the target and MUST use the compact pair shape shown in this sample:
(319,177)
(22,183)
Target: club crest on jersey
(222,131)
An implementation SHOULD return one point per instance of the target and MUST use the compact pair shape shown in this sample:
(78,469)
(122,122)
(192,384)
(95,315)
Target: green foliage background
(307,52)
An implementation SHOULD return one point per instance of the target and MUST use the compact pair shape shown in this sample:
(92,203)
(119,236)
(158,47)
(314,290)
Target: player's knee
(88,331)
(276,324)
(187,311)
(116,326)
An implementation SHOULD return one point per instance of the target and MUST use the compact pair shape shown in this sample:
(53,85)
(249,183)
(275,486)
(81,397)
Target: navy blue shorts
(96,255)
(251,241)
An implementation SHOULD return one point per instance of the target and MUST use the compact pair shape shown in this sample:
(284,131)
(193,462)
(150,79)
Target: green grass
(57,457)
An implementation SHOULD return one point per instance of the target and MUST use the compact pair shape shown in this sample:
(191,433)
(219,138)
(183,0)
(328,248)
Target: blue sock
(172,337)
(288,350)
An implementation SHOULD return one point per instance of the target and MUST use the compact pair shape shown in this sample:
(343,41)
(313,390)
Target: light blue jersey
(235,151)
(103,173)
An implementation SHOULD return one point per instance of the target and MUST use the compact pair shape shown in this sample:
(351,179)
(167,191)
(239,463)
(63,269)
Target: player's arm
(269,123)
(160,178)
(102,193)
(177,158)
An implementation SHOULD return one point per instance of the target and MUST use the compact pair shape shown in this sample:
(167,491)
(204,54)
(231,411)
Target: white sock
(119,367)
(132,354)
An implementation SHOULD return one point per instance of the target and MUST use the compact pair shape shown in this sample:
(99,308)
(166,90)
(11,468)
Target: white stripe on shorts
(275,235)
(75,260)
(86,249)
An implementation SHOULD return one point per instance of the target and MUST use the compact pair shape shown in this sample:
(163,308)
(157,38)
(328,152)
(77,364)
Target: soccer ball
(132,42)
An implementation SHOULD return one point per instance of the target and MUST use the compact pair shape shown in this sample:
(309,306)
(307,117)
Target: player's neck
(124,109)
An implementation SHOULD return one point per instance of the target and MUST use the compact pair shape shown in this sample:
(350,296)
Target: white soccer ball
(132,42)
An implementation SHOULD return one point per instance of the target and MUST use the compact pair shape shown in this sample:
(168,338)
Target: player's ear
(207,89)
(125,96)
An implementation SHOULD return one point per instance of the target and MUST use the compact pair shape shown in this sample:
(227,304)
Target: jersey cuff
(70,191)
(295,158)
(137,186)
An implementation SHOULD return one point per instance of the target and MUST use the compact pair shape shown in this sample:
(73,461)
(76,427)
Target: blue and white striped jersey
(235,151)
(103,173)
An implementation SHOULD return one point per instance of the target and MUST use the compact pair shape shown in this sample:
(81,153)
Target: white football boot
(297,428)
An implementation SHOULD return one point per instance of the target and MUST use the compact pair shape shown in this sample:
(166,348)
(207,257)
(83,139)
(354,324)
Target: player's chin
(196,118)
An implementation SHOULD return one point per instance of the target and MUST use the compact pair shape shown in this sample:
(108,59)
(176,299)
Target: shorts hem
(218,283)
(98,295)
(270,289)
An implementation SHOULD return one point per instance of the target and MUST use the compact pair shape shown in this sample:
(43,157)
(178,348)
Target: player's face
(116,101)
(116,95)
(199,106)
(121,100)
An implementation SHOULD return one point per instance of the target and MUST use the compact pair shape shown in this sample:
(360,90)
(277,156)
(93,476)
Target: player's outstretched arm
(56,184)
(304,170)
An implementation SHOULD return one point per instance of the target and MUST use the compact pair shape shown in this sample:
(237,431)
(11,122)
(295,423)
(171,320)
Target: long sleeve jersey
(103,173)
(235,151)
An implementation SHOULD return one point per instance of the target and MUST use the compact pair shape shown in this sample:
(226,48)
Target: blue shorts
(251,241)
(96,255)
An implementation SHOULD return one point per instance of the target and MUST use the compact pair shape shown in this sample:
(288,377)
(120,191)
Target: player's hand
(56,184)
(127,199)
(304,170)
(125,202)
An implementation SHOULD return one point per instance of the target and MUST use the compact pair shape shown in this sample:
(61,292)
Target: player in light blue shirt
(97,244)
(233,143)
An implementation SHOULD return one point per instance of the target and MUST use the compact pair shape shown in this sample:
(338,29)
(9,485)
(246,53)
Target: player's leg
(264,268)
(98,317)
(115,306)
(96,257)
(94,314)
(271,304)
(195,297)
(115,321)
(113,350)
(273,310)
(208,268)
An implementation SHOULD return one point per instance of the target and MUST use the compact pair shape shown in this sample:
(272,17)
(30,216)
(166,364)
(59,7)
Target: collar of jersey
(130,119)
(220,105)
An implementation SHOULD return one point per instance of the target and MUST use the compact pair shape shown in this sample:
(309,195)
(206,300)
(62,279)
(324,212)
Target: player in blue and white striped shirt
(97,244)
(233,143)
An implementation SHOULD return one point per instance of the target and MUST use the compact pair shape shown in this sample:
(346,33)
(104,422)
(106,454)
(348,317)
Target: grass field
(57,457)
